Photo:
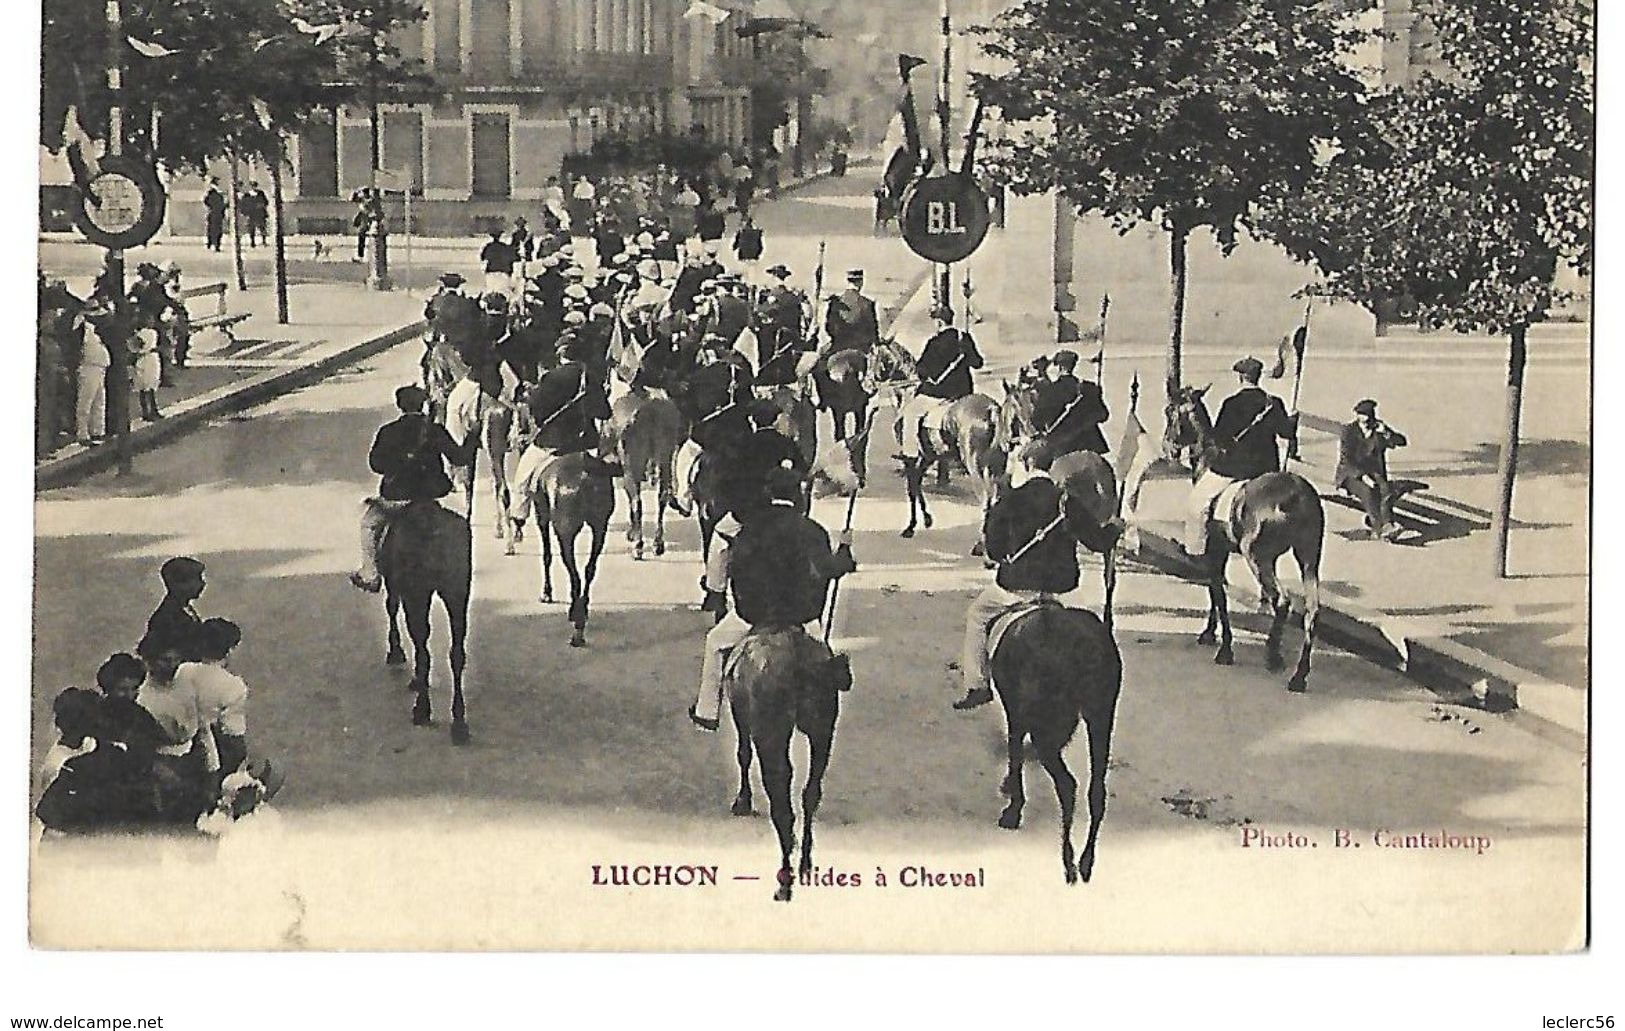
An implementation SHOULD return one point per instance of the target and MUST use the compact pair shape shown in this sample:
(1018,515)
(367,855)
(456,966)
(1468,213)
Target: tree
(1468,190)
(1180,113)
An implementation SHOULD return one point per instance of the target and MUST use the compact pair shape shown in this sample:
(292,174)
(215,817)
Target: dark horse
(1275,513)
(1082,475)
(429,550)
(774,691)
(1055,666)
(569,500)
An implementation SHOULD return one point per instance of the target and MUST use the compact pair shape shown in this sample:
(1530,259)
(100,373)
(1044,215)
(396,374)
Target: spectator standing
(95,357)
(214,215)
(499,258)
(748,247)
(256,209)
(684,209)
(710,224)
(582,196)
(744,187)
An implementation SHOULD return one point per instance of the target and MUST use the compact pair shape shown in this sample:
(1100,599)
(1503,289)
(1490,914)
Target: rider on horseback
(781,571)
(410,454)
(1068,413)
(750,460)
(945,376)
(1249,423)
(715,401)
(1033,534)
(565,408)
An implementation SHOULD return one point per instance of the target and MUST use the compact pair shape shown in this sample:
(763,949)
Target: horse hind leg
(392,605)
(742,801)
(417,626)
(1100,746)
(457,617)
(1066,791)
(1310,567)
(1012,786)
(567,536)
(581,607)
(1275,603)
(543,519)
(1109,575)
(820,741)
(776,774)
(663,491)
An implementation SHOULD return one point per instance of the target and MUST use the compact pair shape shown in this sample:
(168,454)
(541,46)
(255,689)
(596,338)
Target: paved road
(585,756)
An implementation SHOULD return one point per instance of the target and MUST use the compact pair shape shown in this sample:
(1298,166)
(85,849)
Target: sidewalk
(1427,604)
(331,325)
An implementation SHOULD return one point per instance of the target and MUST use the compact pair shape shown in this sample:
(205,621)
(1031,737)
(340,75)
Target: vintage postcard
(798,475)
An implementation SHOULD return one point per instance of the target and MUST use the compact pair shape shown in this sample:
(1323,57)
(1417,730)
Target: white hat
(574,317)
(601,311)
(648,268)
(576,292)
(646,239)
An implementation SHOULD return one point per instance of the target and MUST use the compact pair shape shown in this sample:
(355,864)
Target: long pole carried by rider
(835,585)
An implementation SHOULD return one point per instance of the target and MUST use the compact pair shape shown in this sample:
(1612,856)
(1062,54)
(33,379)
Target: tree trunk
(236,228)
(281,243)
(1177,240)
(1507,468)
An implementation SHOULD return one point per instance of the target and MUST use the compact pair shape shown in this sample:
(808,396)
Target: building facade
(521,84)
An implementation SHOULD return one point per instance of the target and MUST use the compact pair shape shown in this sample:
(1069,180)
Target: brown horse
(1081,475)
(773,691)
(569,500)
(645,429)
(969,428)
(1275,513)
(427,551)
(1054,666)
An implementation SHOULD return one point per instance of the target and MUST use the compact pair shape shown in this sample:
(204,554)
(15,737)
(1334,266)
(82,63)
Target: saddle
(1223,509)
(1014,614)
(811,655)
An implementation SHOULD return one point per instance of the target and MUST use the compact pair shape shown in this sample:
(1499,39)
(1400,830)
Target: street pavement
(390,833)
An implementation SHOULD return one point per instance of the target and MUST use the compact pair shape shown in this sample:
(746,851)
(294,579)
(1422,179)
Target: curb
(72,468)
(1458,673)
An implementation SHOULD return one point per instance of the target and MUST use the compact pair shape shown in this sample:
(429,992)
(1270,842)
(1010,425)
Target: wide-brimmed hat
(452,279)
(779,272)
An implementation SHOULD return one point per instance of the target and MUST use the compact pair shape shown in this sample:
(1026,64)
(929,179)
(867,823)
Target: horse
(644,430)
(1053,667)
(427,551)
(1083,476)
(801,416)
(569,500)
(969,428)
(773,692)
(850,383)
(1274,513)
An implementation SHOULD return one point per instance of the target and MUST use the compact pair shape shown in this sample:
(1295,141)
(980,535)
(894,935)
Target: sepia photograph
(806,476)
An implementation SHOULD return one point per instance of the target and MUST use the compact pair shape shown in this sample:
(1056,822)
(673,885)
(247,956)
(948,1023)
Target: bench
(220,318)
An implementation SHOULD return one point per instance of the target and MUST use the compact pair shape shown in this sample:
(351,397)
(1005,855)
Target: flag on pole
(1135,456)
(1291,349)
(900,169)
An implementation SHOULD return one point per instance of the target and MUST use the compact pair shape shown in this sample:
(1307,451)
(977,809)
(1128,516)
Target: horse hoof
(546,598)
(927,520)
(660,548)
(906,534)
(1010,819)
(1298,685)
(1086,866)
(1224,658)
(1274,663)
(510,550)
(500,534)
(459,732)
(420,716)
(637,552)
(1071,875)
(1207,637)
(783,894)
(396,657)
(742,807)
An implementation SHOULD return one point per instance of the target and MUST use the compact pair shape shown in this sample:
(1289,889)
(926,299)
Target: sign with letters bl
(945,219)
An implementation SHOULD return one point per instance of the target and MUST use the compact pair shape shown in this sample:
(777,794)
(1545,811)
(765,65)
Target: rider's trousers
(528,478)
(375,516)
(984,609)
(722,639)
(916,410)
(1204,492)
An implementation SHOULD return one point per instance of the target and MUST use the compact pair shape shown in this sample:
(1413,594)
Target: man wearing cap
(410,454)
(945,376)
(782,343)
(565,407)
(780,579)
(1250,422)
(852,321)
(1068,412)
(1362,466)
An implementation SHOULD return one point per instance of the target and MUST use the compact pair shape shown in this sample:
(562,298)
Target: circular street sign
(945,219)
(123,205)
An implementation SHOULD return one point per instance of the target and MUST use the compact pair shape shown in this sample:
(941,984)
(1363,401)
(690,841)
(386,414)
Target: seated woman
(93,779)
(186,764)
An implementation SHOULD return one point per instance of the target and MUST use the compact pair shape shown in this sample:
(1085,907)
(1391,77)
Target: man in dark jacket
(748,247)
(1362,466)
(780,339)
(1068,411)
(851,321)
(410,454)
(780,573)
(1250,421)
(565,407)
(214,215)
(1033,534)
(174,624)
(945,376)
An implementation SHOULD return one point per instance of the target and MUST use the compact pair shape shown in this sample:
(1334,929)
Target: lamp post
(118,371)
